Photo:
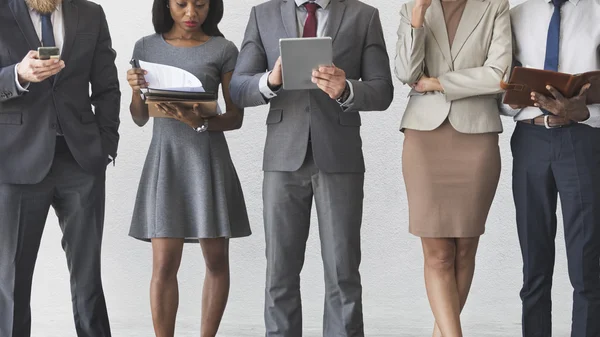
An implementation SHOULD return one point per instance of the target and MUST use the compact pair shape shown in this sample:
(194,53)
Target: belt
(549,121)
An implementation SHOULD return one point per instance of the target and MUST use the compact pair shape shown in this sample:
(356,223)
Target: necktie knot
(558,3)
(311,7)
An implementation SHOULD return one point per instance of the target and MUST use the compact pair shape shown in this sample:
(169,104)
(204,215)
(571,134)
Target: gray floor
(122,329)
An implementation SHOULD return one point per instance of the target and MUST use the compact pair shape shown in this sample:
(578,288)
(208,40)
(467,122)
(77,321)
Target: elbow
(238,123)
(139,122)
(235,92)
(408,76)
(388,98)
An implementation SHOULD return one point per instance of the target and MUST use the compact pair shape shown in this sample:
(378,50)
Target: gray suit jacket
(28,120)
(359,49)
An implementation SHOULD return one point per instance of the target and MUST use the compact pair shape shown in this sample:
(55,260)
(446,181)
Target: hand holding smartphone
(33,69)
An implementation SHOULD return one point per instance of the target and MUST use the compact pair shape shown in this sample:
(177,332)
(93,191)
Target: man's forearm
(245,90)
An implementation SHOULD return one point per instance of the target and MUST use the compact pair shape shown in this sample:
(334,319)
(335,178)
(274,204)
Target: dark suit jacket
(28,120)
(358,48)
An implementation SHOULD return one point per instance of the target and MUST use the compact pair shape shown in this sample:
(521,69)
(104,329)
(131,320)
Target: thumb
(32,54)
(584,90)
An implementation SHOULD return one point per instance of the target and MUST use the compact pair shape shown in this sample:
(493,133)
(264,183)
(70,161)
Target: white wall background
(395,302)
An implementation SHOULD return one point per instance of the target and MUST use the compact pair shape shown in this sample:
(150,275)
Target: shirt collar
(574,2)
(58,9)
(322,3)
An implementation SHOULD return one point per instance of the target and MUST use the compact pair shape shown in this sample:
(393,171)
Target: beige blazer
(470,72)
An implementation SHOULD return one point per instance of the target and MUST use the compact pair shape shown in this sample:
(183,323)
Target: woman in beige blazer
(453,55)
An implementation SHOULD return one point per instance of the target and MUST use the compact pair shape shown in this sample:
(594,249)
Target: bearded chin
(43,6)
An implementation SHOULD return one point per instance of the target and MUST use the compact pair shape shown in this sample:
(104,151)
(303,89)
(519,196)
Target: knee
(165,269)
(465,257)
(441,259)
(217,262)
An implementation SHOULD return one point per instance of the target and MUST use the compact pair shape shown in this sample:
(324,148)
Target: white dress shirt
(322,15)
(58,26)
(579,43)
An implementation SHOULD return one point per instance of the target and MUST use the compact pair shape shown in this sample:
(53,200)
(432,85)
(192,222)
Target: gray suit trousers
(78,199)
(287,198)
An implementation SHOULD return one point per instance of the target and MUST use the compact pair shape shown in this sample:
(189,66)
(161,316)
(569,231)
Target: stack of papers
(174,85)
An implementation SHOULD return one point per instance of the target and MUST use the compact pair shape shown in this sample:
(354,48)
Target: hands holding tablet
(330,79)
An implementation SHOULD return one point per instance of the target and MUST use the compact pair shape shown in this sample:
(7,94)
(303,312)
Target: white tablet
(300,56)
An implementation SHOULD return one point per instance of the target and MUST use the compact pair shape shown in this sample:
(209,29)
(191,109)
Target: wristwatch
(344,96)
(202,127)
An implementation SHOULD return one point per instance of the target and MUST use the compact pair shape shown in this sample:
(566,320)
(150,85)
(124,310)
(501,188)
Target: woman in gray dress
(189,190)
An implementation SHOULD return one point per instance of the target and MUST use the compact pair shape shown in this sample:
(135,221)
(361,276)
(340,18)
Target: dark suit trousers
(287,198)
(547,163)
(78,199)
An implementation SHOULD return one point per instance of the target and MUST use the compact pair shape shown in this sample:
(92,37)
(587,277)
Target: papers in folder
(174,85)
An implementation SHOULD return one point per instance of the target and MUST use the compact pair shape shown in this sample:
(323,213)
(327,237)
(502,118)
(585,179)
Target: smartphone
(46,53)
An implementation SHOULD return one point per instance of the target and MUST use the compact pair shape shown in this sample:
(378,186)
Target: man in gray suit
(314,148)
(54,149)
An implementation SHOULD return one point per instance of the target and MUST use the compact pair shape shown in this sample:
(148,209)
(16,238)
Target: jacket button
(307,109)
(53,126)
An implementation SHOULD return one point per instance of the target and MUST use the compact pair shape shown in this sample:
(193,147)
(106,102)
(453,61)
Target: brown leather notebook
(525,80)
(208,107)
(206,100)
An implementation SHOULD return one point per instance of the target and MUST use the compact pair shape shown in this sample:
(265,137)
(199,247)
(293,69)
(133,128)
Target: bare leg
(441,284)
(466,249)
(164,291)
(216,284)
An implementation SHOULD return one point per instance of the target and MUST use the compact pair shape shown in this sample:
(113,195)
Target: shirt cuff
(348,103)
(263,86)
(20,88)
(594,119)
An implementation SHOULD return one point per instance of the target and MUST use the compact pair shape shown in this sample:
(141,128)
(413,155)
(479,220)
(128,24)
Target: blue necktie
(553,41)
(48,41)
(47,31)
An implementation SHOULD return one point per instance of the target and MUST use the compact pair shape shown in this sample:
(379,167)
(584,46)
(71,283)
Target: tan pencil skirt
(451,179)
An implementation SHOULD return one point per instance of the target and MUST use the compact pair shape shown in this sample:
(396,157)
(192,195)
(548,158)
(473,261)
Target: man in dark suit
(54,149)
(314,149)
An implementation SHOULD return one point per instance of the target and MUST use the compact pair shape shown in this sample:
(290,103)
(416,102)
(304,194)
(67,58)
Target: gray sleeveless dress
(189,187)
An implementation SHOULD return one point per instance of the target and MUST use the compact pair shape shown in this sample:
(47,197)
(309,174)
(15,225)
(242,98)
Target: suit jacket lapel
(288,15)
(471,17)
(437,25)
(336,14)
(71,19)
(21,13)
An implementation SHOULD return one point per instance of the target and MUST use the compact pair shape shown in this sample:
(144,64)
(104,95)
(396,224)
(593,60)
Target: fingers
(31,55)
(543,102)
(43,64)
(557,95)
(136,71)
(584,90)
(53,69)
(45,74)
(136,79)
(322,75)
(167,110)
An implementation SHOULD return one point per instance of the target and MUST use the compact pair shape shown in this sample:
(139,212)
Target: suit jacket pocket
(348,118)
(275,116)
(11,118)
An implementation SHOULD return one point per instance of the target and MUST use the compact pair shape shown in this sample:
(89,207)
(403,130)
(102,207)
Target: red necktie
(310,25)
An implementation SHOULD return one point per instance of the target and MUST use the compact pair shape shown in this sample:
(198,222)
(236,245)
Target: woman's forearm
(139,110)
(231,120)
